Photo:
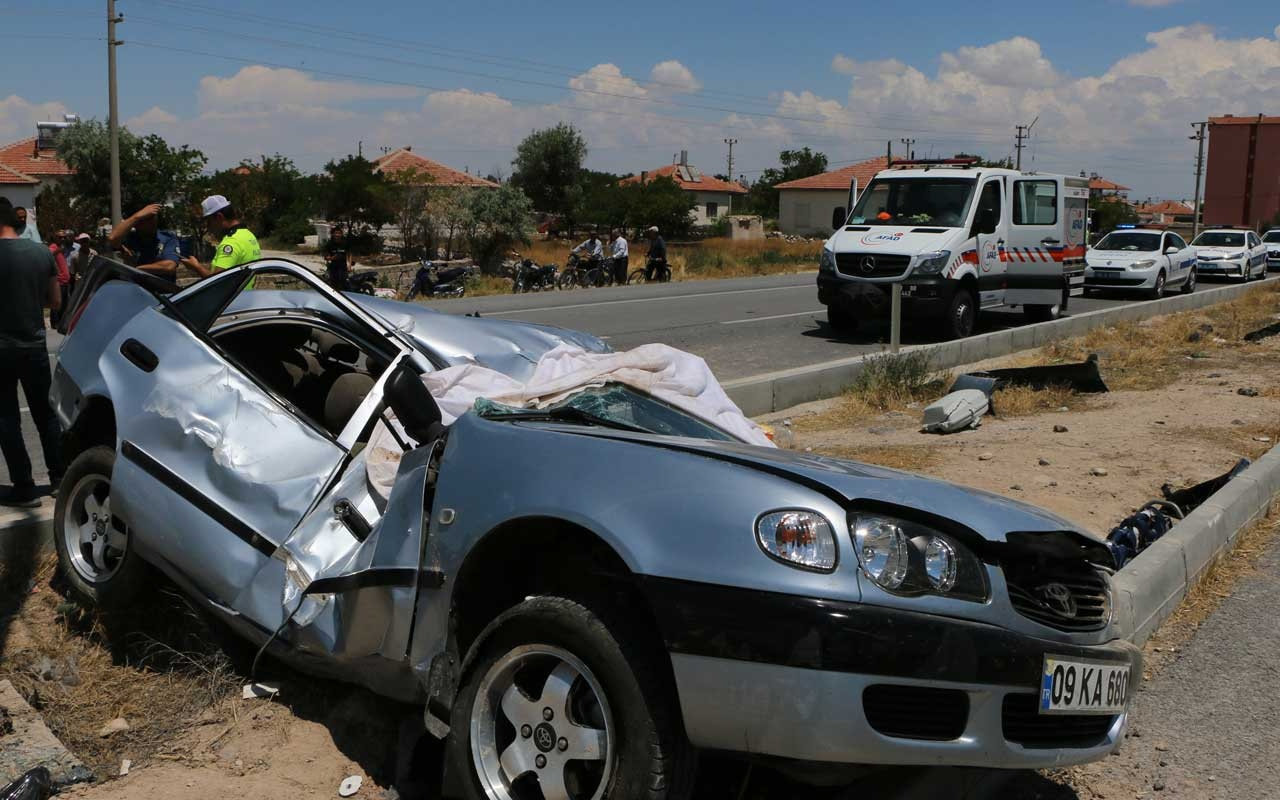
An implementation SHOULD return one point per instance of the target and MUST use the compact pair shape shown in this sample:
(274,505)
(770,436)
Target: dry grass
(1023,401)
(887,382)
(1249,441)
(158,670)
(1154,353)
(911,459)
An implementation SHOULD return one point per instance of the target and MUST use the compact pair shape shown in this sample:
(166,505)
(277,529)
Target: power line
(1024,132)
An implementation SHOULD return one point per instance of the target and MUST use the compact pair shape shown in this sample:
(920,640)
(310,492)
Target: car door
(1257,254)
(989,232)
(1034,249)
(1183,262)
(214,470)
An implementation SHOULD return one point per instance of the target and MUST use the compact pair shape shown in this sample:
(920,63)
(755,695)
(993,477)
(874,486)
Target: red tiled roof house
(29,166)
(713,197)
(403,160)
(806,205)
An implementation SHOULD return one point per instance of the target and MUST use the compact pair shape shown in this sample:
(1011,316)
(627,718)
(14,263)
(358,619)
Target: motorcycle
(579,271)
(362,282)
(432,281)
(530,277)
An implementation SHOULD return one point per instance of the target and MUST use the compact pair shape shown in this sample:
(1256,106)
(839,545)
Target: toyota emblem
(868,264)
(1057,598)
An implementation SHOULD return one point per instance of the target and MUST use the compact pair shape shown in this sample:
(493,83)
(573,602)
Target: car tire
(1157,292)
(842,320)
(603,678)
(962,315)
(93,549)
(1189,285)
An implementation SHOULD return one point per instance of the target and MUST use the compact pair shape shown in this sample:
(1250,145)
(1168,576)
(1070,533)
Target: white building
(712,197)
(805,205)
(32,165)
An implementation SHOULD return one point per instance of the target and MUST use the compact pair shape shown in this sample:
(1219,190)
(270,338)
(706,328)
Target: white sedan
(1141,259)
(1272,240)
(1230,253)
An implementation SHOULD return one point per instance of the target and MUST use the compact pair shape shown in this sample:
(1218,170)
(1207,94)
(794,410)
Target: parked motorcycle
(530,277)
(362,282)
(433,281)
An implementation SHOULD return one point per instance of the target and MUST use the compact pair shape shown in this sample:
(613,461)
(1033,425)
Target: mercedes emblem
(868,264)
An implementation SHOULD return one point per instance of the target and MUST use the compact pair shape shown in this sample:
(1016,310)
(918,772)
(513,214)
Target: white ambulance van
(961,239)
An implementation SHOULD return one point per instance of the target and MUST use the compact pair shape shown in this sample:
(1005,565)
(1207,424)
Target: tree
(1110,212)
(271,195)
(351,192)
(151,171)
(414,210)
(547,167)
(762,198)
(1002,163)
(498,220)
(659,202)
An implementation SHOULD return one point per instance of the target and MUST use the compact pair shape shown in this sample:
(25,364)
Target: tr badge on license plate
(1074,686)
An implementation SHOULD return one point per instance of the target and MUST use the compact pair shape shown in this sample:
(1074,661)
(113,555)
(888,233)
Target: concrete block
(945,355)
(1266,473)
(1122,608)
(975,348)
(1202,536)
(1023,338)
(1157,582)
(1240,502)
(753,395)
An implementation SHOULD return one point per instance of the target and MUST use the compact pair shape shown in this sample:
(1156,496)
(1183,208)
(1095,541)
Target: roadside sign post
(895,319)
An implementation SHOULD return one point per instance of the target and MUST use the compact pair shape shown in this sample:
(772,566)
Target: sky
(1112,85)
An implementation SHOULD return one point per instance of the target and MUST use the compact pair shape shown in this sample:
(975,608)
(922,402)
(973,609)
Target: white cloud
(273,88)
(154,117)
(674,75)
(18,116)
(1012,62)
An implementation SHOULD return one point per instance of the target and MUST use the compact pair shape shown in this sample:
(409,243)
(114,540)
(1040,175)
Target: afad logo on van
(882,238)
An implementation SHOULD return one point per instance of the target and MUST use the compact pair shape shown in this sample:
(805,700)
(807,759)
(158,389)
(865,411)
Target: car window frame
(1017,203)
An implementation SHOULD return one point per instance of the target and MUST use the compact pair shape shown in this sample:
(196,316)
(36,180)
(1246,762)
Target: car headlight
(908,558)
(798,538)
(1144,264)
(933,263)
(827,261)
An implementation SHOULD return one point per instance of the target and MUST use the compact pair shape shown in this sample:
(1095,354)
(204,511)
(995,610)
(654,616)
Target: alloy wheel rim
(541,726)
(96,539)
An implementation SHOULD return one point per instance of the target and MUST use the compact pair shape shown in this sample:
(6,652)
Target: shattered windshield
(615,405)
(1131,242)
(1219,239)
(914,201)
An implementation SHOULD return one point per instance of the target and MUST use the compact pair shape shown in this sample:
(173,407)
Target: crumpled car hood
(508,346)
(990,515)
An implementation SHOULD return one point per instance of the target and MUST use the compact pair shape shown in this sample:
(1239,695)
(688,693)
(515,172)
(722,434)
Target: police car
(1231,253)
(1145,259)
(1272,240)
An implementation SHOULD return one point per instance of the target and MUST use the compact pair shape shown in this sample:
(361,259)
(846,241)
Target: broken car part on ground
(532,577)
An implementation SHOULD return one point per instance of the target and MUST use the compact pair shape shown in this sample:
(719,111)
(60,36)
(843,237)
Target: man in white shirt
(621,253)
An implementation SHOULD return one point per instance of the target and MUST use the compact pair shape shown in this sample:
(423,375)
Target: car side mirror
(1171,251)
(838,216)
(413,405)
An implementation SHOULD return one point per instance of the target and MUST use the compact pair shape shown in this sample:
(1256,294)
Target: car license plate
(1071,686)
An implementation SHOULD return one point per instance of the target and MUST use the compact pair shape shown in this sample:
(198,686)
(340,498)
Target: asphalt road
(741,326)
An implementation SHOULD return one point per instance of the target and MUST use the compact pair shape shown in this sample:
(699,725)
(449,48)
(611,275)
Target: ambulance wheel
(962,315)
(841,320)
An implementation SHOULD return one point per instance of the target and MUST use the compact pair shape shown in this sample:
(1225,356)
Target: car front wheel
(561,705)
(1189,285)
(93,543)
(1157,291)
(962,315)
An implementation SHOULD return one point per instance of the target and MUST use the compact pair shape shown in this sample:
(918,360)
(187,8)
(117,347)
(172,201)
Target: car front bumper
(1227,269)
(921,296)
(846,683)
(1119,278)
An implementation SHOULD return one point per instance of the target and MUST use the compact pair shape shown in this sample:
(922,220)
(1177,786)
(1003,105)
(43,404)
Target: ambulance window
(1035,202)
(987,217)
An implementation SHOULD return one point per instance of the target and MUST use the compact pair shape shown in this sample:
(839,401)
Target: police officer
(237,243)
(145,246)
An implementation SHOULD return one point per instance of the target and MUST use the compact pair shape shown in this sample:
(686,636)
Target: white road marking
(646,300)
(775,316)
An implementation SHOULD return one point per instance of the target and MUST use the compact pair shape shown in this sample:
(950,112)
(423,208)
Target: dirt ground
(1175,417)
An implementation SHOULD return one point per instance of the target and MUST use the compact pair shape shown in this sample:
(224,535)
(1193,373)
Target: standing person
(656,260)
(621,252)
(145,246)
(80,257)
(337,262)
(24,230)
(64,281)
(237,245)
(28,284)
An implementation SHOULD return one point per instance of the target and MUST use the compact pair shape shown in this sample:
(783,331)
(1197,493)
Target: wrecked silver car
(582,595)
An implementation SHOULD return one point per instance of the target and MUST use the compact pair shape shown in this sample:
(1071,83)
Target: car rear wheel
(93,543)
(560,703)
(1189,285)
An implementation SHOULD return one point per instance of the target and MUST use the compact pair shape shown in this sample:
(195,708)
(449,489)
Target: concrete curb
(774,391)
(1150,587)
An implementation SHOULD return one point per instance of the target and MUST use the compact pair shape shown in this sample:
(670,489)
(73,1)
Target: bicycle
(660,270)
(577,274)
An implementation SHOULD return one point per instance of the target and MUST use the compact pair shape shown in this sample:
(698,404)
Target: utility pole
(113,122)
(909,143)
(1024,132)
(1199,137)
(731,143)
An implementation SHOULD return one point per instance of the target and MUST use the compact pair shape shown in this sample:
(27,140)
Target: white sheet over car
(673,376)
